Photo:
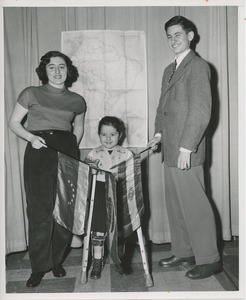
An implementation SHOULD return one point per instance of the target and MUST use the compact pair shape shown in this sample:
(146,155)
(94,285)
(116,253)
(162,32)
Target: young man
(182,117)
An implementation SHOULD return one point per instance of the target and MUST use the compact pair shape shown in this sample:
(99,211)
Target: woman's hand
(37,142)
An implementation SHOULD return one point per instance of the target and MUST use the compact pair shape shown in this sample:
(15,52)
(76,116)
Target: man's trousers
(191,218)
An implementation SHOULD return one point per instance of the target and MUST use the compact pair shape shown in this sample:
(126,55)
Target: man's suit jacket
(184,109)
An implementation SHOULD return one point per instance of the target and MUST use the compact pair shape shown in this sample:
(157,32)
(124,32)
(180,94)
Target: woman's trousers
(48,241)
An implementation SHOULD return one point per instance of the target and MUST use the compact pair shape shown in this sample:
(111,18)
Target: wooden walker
(84,275)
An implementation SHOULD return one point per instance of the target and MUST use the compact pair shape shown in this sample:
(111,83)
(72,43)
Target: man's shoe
(58,271)
(97,268)
(121,270)
(35,279)
(206,270)
(176,261)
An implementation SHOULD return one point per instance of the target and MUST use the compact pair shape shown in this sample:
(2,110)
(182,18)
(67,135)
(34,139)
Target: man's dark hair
(186,24)
(72,71)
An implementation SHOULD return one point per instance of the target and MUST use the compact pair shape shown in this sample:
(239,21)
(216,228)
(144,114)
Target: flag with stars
(73,187)
(129,194)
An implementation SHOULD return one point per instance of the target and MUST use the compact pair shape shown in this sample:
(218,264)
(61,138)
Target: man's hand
(184,160)
(154,143)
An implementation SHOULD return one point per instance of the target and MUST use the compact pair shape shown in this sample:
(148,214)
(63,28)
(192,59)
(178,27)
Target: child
(111,131)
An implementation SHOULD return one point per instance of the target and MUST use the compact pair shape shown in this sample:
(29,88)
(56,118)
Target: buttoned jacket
(184,109)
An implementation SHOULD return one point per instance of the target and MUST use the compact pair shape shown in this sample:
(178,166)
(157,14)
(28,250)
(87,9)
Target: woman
(55,118)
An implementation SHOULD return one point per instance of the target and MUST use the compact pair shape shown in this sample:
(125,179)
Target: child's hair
(115,122)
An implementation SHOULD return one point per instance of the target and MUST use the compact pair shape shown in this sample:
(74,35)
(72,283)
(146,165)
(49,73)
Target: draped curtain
(30,32)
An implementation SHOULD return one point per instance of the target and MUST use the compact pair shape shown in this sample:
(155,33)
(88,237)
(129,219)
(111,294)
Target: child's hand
(115,175)
(92,162)
(118,176)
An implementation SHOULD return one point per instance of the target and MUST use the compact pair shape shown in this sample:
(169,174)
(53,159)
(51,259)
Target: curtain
(28,34)
(21,57)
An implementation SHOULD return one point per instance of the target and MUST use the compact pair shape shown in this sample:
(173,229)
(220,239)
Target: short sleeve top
(51,108)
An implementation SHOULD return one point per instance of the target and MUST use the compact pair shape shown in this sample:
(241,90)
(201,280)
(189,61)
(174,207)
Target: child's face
(109,136)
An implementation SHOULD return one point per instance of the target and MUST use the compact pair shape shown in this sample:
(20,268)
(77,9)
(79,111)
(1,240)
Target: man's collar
(181,57)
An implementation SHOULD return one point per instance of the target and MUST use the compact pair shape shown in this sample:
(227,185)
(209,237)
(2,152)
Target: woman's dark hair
(115,122)
(186,24)
(72,71)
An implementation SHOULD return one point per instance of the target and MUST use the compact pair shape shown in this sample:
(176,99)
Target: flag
(129,194)
(72,191)
(111,208)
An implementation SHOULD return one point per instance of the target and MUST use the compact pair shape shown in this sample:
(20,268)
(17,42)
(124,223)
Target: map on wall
(112,80)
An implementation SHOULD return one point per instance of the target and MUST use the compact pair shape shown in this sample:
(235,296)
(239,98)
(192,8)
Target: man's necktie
(173,71)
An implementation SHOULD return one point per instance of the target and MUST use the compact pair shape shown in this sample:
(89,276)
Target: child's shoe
(121,270)
(97,268)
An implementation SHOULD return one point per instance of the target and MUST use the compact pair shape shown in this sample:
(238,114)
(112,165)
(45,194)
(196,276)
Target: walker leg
(85,259)
(84,279)
(148,279)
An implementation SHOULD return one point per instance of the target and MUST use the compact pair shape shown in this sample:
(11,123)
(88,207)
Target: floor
(18,271)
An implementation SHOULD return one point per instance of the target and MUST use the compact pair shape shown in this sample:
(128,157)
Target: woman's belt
(40,132)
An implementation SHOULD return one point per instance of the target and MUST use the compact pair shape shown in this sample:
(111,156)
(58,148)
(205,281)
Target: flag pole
(148,279)
(79,160)
(146,149)
(88,231)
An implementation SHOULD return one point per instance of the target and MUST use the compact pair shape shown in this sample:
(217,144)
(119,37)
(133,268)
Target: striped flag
(129,194)
(111,207)
(72,191)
